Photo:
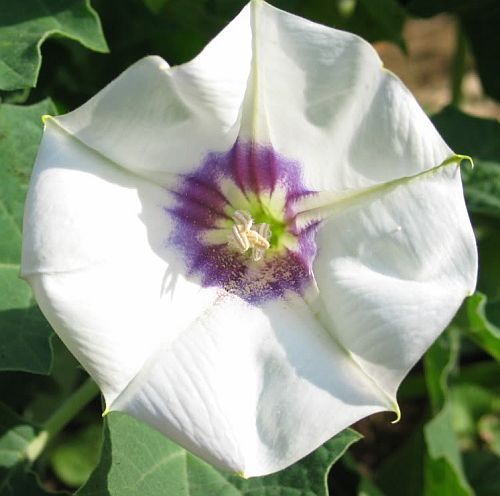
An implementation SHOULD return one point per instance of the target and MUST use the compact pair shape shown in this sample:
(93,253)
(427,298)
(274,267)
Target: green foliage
(74,457)
(439,362)
(25,341)
(443,471)
(25,25)
(483,472)
(15,437)
(155,6)
(376,21)
(483,332)
(452,447)
(480,139)
(135,459)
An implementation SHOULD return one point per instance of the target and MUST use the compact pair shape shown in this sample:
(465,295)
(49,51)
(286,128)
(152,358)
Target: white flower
(251,250)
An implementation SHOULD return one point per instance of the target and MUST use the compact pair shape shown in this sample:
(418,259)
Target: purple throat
(256,181)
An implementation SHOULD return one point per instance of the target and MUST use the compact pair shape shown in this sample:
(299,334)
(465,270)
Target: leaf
(376,21)
(480,139)
(65,376)
(428,8)
(15,437)
(368,488)
(469,403)
(25,339)
(443,471)
(75,457)
(439,362)
(155,6)
(481,27)
(481,331)
(26,25)
(135,459)
(404,468)
(483,472)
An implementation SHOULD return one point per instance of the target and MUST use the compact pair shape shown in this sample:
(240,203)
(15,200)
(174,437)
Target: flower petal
(237,385)
(96,256)
(321,96)
(155,120)
(392,272)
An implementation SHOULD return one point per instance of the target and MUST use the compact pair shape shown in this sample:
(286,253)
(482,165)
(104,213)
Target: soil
(428,66)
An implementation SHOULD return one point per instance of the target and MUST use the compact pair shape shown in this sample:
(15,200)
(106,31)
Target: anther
(244,237)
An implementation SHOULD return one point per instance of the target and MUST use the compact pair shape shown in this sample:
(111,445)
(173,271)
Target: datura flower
(250,251)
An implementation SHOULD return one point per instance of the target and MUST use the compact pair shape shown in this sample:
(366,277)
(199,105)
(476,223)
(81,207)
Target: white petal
(157,120)
(95,254)
(322,97)
(393,271)
(252,390)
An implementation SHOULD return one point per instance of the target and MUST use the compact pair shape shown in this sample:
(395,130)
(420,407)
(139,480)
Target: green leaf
(368,488)
(439,362)
(428,8)
(443,470)
(26,25)
(25,335)
(155,6)
(481,27)
(75,457)
(375,21)
(483,472)
(15,437)
(404,468)
(481,331)
(135,459)
(480,139)
(65,376)
(469,403)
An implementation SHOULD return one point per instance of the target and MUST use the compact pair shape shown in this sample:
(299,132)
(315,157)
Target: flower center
(245,235)
(234,224)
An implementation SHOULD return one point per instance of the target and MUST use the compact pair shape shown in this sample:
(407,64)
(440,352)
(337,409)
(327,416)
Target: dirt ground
(427,68)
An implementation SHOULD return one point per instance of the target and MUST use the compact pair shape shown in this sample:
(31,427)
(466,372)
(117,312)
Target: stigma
(245,235)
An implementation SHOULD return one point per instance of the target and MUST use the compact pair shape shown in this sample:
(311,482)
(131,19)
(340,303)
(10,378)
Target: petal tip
(397,411)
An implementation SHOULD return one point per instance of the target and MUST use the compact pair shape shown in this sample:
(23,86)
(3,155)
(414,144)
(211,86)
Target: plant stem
(61,417)
(458,67)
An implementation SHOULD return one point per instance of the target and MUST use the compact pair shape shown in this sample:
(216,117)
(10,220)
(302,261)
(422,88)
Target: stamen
(240,238)
(258,249)
(243,218)
(244,237)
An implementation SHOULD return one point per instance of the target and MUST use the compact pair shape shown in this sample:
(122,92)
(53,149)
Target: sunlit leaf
(25,334)
(26,25)
(138,460)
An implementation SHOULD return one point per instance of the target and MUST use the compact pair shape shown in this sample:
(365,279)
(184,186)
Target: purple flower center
(252,182)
